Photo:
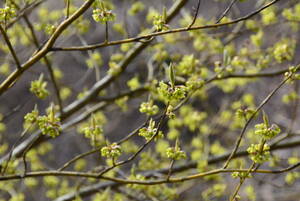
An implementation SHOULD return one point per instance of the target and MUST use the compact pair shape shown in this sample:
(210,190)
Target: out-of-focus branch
(10,47)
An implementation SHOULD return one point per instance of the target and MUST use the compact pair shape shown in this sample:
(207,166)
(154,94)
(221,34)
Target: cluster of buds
(149,108)
(175,153)
(111,151)
(38,87)
(259,154)
(49,124)
(102,14)
(7,13)
(267,132)
(150,131)
(160,21)
(93,129)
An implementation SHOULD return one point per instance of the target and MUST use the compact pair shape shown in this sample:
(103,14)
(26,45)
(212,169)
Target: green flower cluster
(175,153)
(225,68)
(7,13)
(170,112)
(269,16)
(51,181)
(93,129)
(284,50)
(289,97)
(48,124)
(292,72)
(267,132)
(49,29)
(257,39)
(150,131)
(114,68)
(111,151)
(136,8)
(187,65)
(292,14)
(291,177)
(259,154)
(38,87)
(94,60)
(169,93)
(102,14)
(239,62)
(133,83)
(122,103)
(244,113)
(241,175)
(194,82)
(32,117)
(159,21)
(191,118)
(149,108)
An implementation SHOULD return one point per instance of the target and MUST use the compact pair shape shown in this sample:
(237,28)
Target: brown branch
(183,29)
(68,9)
(226,11)
(196,14)
(10,47)
(149,182)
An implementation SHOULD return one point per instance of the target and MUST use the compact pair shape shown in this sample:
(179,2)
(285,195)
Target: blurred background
(207,122)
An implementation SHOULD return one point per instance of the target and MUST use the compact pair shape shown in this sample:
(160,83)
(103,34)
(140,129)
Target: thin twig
(171,31)
(195,15)
(226,11)
(67,164)
(143,182)
(266,100)
(106,32)
(13,147)
(10,47)
(170,169)
(68,9)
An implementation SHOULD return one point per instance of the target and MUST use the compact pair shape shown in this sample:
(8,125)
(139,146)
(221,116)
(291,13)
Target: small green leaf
(164,14)
(226,58)
(172,75)
(265,118)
